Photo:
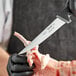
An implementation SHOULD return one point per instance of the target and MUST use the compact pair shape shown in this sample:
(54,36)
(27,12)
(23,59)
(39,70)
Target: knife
(47,32)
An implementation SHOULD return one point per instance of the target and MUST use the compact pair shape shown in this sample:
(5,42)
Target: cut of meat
(64,68)
(45,65)
(49,70)
(73,64)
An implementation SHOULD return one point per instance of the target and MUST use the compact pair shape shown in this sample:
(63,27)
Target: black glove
(18,66)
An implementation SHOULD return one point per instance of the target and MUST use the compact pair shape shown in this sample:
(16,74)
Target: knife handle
(72,6)
(66,12)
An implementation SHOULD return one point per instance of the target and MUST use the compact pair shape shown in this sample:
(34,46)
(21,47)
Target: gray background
(30,17)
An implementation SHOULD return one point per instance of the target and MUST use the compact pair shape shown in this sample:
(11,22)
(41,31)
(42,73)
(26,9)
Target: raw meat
(45,65)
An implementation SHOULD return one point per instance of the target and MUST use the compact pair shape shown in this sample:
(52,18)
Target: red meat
(45,65)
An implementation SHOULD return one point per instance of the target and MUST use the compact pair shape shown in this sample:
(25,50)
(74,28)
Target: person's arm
(3,62)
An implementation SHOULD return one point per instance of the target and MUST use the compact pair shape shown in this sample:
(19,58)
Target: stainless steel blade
(48,31)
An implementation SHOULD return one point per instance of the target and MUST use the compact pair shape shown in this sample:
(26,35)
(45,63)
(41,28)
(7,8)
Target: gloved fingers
(9,66)
(27,73)
(19,59)
(21,68)
(18,66)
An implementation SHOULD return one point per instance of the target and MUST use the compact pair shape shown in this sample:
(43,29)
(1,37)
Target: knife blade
(48,31)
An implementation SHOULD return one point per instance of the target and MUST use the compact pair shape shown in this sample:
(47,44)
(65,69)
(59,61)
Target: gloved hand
(18,66)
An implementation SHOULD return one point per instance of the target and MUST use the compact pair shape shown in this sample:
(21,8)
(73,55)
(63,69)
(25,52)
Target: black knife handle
(69,9)
(72,6)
